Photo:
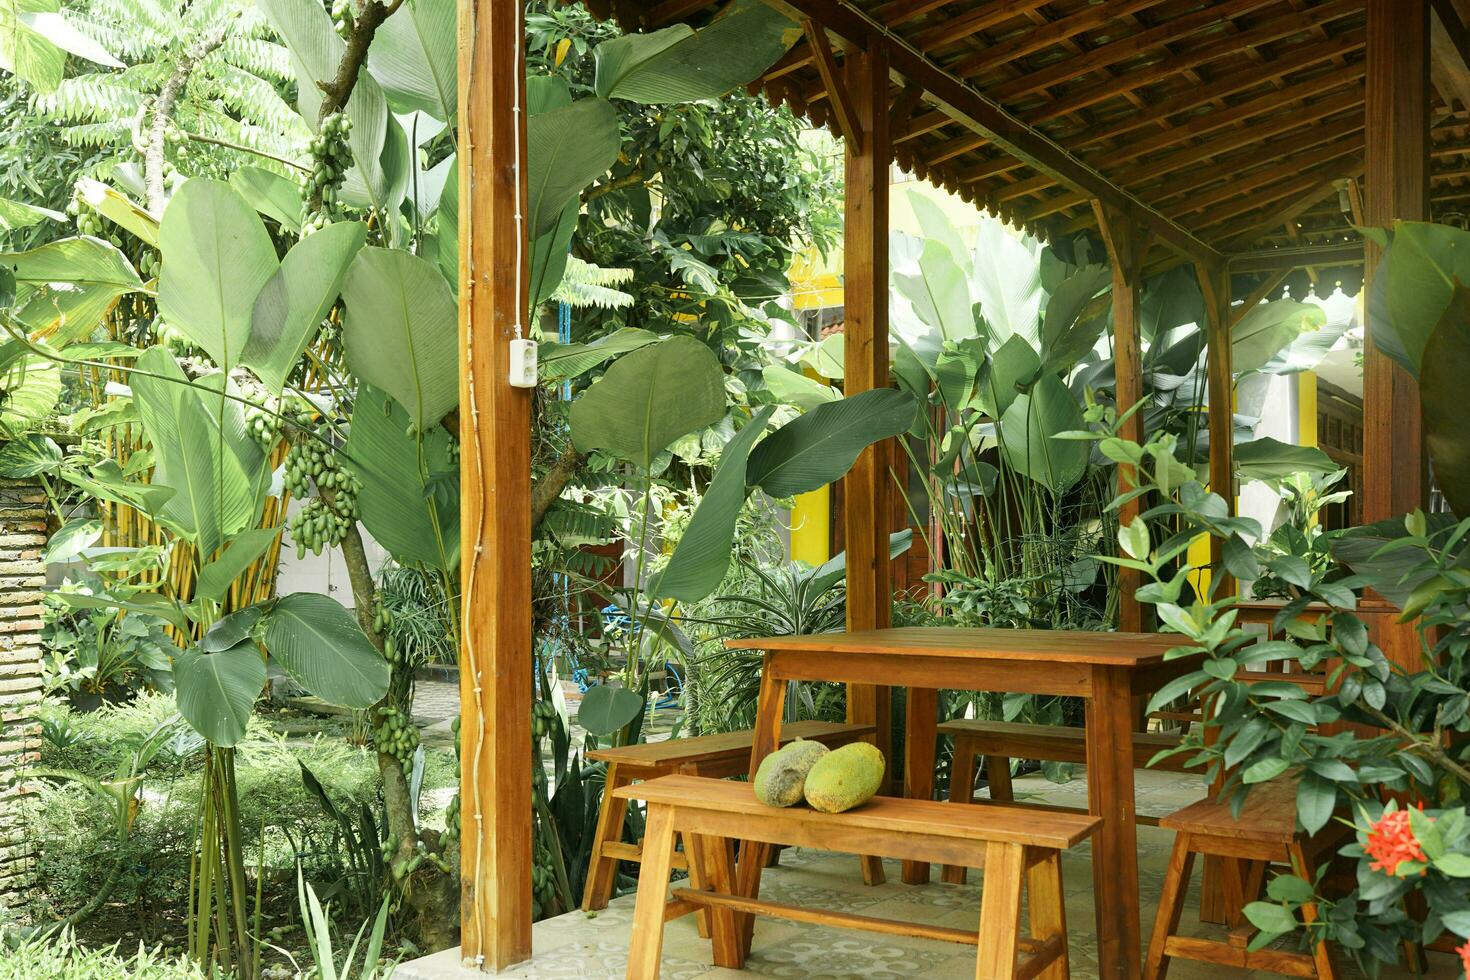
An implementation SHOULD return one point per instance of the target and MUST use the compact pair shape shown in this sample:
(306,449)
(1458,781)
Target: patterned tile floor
(577,945)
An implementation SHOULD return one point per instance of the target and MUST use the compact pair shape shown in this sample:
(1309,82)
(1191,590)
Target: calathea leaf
(217,256)
(1028,429)
(242,551)
(820,446)
(291,305)
(64,288)
(401,331)
(316,640)
(648,399)
(216,691)
(414,56)
(702,555)
(274,196)
(567,149)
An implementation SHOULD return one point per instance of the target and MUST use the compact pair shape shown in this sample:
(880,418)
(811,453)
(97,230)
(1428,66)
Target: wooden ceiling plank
(1263,33)
(1221,212)
(993,167)
(1238,236)
(1128,47)
(1290,156)
(1278,259)
(982,18)
(1030,42)
(1449,45)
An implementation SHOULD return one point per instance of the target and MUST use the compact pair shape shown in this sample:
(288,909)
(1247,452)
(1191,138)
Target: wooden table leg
(647,945)
(921,732)
(602,875)
(1110,795)
(770,705)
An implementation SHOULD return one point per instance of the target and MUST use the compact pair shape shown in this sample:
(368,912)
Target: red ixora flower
(1391,841)
(1464,952)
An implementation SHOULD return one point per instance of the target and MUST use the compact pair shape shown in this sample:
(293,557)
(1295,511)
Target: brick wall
(22,539)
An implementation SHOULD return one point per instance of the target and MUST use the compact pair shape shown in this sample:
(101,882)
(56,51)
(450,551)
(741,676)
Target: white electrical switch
(523,363)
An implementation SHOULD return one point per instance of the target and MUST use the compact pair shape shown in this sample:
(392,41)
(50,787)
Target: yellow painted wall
(811,519)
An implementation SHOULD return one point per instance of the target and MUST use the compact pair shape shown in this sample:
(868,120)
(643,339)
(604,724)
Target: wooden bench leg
(1048,913)
(1171,904)
(716,859)
(1000,912)
(1321,954)
(603,871)
(653,885)
(921,721)
(961,790)
(998,776)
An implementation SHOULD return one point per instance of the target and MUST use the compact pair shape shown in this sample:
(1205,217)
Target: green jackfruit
(782,774)
(845,778)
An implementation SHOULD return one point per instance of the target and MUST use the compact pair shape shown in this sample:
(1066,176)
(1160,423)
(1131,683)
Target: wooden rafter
(1287,259)
(846,118)
(983,17)
(1039,39)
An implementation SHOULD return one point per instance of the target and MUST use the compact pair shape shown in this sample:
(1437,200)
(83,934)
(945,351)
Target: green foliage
(63,958)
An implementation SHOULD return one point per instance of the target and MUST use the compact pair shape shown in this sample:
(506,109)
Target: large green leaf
(1066,339)
(17,215)
(216,691)
(22,459)
(119,208)
(1268,329)
(1170,299)
(702,556)
(401,331)
(567,149)
(217,256)
(820,446)
(32,389)
(316,640)
(399,501)
(106,481)
(242,551)
(1271,459)
(1442,378)
(834,569)
(25,51)
(1007,283)
(797,389)
(558,362)
(939,293)
(414,57)
(292,304)
(648,399)
(937,227)
(1012,367)
(549,254)
(1029,429)
(606,709)
(677,64)
(64,288)
(216,494)
(274,196)
(1413,286)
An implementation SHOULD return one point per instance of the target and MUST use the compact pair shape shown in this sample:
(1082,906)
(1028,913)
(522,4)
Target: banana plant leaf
(65,287)
(216,692)
(318,642)
(1268,329)
(820,446)
(290,307)
(792,388)
(117,207)
(407,509)
(1028,435)
(1413,287)
(244,548)
(939,293)
(1442,379)
(270,194)
(32,388)
(648,399)
(1013,367)
(414,57)
(1271,459)
(678,64)
(559,362)
(834,569)
(566,149)
(401,331)
(702,556)
(1007,284)
(1066,339)
(937,227)
(217,257)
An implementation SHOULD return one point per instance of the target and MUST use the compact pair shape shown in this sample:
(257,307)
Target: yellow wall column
(811,526)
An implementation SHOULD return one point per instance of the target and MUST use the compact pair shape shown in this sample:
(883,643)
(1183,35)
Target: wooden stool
(716,756)
(997,742)
(1018,852)
(1264,834)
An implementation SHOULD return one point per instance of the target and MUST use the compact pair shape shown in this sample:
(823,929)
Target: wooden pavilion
(1243,137)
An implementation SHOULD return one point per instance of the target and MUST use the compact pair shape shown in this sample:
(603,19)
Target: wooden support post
(495,502)
(1126,235)
(1395,187)
(865,298)
(1214,282)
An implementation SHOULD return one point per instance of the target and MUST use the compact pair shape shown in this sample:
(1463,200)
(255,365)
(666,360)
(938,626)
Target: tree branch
(163,110)
(545,490)
(1423,746)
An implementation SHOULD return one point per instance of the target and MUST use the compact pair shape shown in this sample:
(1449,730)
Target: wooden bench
(998,742)
(1264,834)
(717,756)
(710,814)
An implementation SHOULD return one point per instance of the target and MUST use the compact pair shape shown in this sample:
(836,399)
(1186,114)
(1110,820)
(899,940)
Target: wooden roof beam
(1239,235)
(1449,50)
(972,22)
(1285,158)
(1263,33)
(1287,259)
(1041,38)
(969,108)
(842,108)
(1124,48)
(1236,205)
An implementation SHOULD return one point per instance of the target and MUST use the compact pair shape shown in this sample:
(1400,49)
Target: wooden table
(1107,669)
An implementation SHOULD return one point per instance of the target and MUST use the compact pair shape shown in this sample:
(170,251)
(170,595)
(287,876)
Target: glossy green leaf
(1268,329)
(549,254)
(32,390)
(1413,286)
(22,459)
(1066,339)
(17,215)
(1029,428)
(216,692)
(401,331)
(318,642)
(939,293)
(678,64)
(25,51)
(415,58)
(65,287)
(1007,284)
(217,256)
(567,149)
(793,388)
(1013,366)
(1271,459)
(275,196)
(242,551)
(116,206)
(73,538)
(606,709)
(648,399)
(702,556)
(291,305)
(819,447)
(1442,379)
(558,362)
(398,501)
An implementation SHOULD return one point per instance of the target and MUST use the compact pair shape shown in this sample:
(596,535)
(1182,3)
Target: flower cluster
(1464,952)
(1391,842)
